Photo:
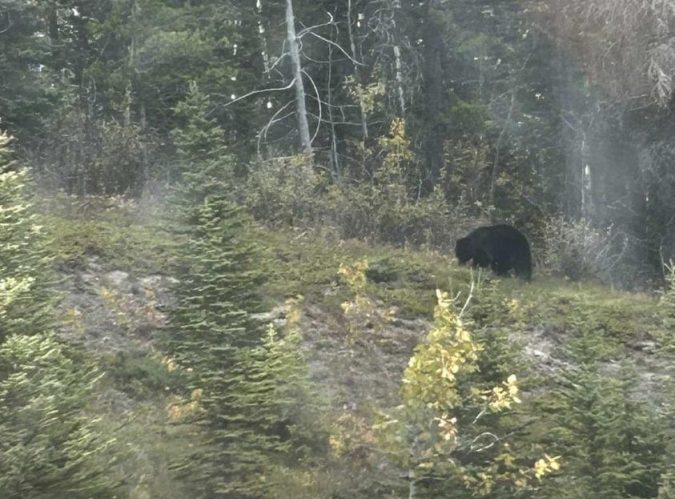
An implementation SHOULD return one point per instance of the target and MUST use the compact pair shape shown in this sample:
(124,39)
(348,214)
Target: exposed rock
(118,278)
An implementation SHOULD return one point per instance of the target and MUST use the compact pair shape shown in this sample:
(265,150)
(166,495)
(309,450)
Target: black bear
(500,247)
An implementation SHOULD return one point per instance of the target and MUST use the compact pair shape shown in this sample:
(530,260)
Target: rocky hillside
(116,281)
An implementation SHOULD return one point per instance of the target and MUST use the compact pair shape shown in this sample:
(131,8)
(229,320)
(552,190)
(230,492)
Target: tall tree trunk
(263,38)
(498,146)
(399,80)
(398,63)
(300,107)
(357,71)
(131,66)
(434,96)
(334,159)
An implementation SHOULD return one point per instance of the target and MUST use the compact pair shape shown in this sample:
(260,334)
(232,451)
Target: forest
(233,249)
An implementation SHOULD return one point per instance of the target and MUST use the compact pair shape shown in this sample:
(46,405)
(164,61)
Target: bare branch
(263,131)
(254,92)
(280,58)
(331,42)
(316,91)
(311,28)
(468,298)
(10,23)
(323,120)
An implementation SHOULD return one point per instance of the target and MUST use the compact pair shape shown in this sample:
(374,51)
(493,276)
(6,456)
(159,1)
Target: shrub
(278,192)
(26,301)
(385,207)
(575,249)
(49,446)
(83,155)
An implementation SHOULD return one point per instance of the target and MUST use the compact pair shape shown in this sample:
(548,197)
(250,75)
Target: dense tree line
(511,110)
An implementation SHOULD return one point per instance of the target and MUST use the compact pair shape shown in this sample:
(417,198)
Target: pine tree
(243,382)
(25,264)
(611,441)
(49,447)
(206,167)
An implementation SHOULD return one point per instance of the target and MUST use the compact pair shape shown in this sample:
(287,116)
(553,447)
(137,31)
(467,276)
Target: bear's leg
(500,268)
(523,269)
(481,259)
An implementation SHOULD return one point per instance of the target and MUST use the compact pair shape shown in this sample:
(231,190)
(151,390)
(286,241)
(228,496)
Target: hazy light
(269,105)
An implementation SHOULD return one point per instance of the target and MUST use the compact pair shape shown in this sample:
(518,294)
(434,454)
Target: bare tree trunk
(399,80)
(334,160)
(498,146)
(263,38)
(131,67)
(586,179)
(352,46)
(397,61)
(300,107)
(412,486)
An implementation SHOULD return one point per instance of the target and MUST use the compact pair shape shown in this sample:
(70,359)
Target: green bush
(85,155)
(26,300)
(49,446)
(384,207)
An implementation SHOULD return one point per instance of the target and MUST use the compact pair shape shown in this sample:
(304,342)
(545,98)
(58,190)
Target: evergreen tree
(243,382)
(205,165)
(25,263)
(27,98)
(49,447)
(612,442)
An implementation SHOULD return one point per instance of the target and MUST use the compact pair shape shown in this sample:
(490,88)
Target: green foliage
(667,485)
(219,281)
(107,228)
(27,94)
(386,207)
(448,430)
(26,301)
(667,310)
(211,332)
(140,374)
(249,389)
(576,250)
(206,167)
(278,192)
(85,156)
(612,439)
(198,138)
(272,418)
(49,446)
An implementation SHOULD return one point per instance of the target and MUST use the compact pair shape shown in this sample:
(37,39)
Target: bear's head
(464,250)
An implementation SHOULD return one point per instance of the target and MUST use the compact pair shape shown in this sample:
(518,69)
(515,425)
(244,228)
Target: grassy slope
(359,369)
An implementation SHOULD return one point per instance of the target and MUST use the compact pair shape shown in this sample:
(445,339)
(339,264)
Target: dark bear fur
(500,247)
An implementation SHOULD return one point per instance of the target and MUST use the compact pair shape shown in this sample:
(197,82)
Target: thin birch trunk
(498,146)
(352,46)
(300,107)
(334,160)
(398,63)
